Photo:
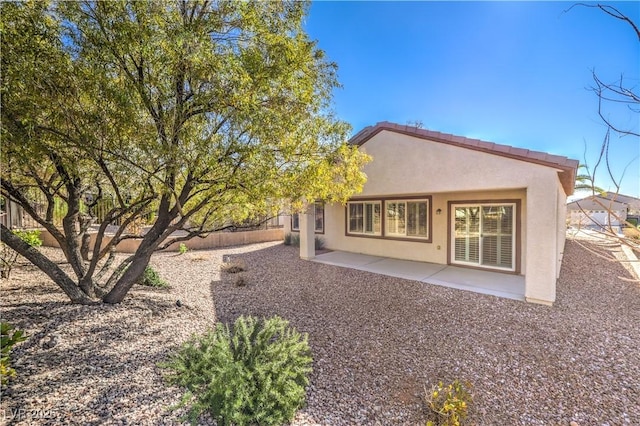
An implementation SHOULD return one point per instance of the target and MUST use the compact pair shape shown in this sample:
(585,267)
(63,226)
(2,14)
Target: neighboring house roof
(567,167)
(621,198)
(596,203)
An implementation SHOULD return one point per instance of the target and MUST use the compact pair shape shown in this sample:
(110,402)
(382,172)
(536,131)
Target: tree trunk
(84,247)
(48,267)
(128,278)
(142,256)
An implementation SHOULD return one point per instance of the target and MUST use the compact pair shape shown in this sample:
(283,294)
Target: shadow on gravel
(95,349)
(378,341)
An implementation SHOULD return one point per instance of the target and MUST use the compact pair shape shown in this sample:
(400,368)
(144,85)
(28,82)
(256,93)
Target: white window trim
(405,235)
(364,225)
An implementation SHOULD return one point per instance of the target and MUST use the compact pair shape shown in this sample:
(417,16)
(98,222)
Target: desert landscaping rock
(378,342)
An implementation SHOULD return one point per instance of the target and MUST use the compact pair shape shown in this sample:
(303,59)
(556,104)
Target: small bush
(233,266)
(183,248)
(448,404)
(241,280)
(150,278)
(294,240)
(254,374)
(8,256)
(9,337)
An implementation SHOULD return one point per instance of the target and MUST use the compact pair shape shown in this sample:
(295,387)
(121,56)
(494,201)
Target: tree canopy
(182,115)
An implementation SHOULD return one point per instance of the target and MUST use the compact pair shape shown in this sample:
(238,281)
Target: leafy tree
(193,113)
(8,256)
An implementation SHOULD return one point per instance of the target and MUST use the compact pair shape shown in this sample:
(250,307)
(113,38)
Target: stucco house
(603,211)
(445,199)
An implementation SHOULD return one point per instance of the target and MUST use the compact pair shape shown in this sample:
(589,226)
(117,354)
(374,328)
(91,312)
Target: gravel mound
(377,342)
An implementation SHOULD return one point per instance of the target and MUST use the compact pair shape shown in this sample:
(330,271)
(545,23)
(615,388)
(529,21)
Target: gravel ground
(377,342)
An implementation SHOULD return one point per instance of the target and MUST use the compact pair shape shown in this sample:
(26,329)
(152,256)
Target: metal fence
(14,216)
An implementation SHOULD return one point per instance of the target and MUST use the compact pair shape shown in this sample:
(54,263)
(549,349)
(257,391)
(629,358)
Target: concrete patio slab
(404,268)
(485,282)
(343,258)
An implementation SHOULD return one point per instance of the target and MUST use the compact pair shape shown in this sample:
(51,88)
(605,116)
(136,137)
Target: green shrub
(183,248)
(150,278)
(253,374)
(294,240)
(449,404)
(8,256)
(9,337)
(31,237)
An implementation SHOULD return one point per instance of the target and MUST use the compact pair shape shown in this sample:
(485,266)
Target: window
(318,208)
(484,235)
(318,213)
(295,222)
(407,218)
(364,217)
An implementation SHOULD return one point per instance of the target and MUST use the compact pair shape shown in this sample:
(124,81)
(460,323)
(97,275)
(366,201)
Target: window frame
(516,233)
(295,217)
(364,203)
(383,234)
(318,205)
(406,202)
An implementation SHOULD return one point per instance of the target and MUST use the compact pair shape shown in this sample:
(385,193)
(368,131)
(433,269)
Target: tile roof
(567,166)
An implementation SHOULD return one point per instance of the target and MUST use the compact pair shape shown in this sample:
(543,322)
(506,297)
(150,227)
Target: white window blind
(484,235)
(407,218)
(364,218)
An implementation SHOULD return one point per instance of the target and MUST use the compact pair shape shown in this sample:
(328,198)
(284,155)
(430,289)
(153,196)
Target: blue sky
(515,73)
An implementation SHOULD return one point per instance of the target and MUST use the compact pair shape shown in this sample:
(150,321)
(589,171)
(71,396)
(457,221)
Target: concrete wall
(404,165)
(213,240)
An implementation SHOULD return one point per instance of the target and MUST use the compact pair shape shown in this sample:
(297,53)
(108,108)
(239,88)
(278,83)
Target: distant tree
(615,94)
(192,113)
(619,93)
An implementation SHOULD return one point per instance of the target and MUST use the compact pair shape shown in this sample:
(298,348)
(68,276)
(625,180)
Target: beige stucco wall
(435,252)
(405,165)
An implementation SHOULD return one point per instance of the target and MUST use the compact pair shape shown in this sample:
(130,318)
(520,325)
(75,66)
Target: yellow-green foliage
(449,404)
(9,338)
(183,248)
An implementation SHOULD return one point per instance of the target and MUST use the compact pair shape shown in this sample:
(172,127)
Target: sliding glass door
(484,235)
